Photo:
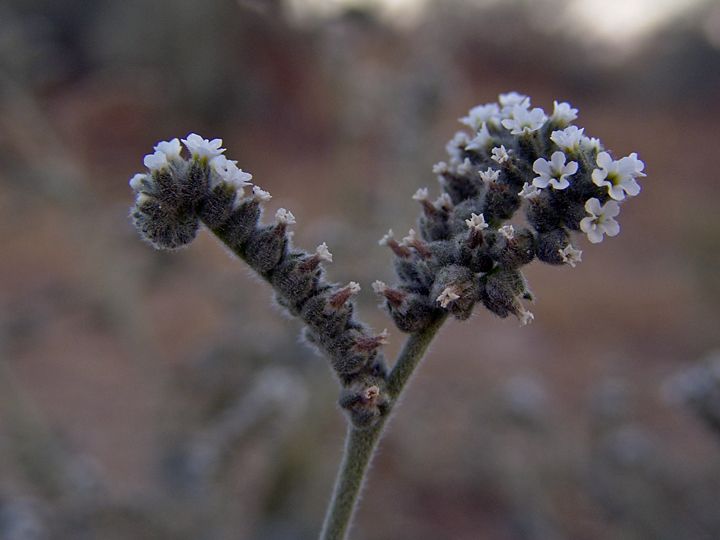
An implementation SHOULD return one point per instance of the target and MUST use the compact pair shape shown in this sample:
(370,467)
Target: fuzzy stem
(361,443)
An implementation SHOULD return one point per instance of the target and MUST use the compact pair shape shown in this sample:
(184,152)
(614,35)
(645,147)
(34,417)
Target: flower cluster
(178,194)
(516,157)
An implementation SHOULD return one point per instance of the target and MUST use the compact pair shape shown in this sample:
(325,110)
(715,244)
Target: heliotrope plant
(469,247)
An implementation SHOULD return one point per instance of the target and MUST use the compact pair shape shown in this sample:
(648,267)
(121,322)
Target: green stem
(361,443)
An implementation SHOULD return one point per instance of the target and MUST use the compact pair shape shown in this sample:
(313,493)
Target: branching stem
(361,443)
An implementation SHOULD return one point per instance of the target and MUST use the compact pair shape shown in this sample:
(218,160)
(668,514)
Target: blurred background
(155,395)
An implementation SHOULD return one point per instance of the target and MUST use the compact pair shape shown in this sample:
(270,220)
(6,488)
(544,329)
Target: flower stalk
(360,444)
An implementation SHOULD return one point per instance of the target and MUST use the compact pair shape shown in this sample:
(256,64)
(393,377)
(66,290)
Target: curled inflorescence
(177,194)
(465,249)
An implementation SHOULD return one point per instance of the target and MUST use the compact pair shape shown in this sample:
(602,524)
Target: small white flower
(489,176)
(529,191)
(389,237)
(589,144)
(525,317)
(482,141)
(508,231)
(229,173)
(136,181)
(421,195)
(466,167)
(203,148)
(260,194)
(440,168)
(524,121)
(170,148)
(456,146)
(323,253)
(284,217)
(553,172)
(618,176)
(570,255)
(447,297)
(482,114)
(509,101)
(563,114)
(353,288)
(476,222)
(443,202)
(155,161)
(411,239)
(500,154)
(601,220)
(568,139)
(379,287)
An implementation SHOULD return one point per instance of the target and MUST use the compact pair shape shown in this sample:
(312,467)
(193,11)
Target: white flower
(481,114)
(466,167)
(563,114)
(524,121)
(444,202)
(440,168)
(490,175)
(508,102)
(201,148)
(447,297)
(353,287)
(284,217)
(590,143)
(508,231)
(570,255)
(136,182)
(456,146)
(618,176)
(525,316)
(387,239)
(229,173)
(529,191)
(601,220)
(568,139)
(500,154)
(411,239)
(170,148)
(323,253)
(476,222)
(379,287)
(553,172)
(421,195)
(260,194)
(482,141)
(156,161)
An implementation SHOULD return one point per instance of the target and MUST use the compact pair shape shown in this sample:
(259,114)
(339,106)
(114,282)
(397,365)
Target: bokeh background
(154,395)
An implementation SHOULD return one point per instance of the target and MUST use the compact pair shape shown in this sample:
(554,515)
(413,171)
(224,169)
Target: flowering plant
(467,249)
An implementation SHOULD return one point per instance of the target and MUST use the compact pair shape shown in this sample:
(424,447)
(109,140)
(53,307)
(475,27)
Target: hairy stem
(361,443)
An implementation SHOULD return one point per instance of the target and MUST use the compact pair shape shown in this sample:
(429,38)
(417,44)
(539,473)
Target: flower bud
(164,227)
(542,215)
(217,206)
(266,247)
(416,313)
(514,251)
(551,243)
(501,292)
(365,402)
(456,290)
(460,187)
(500,202)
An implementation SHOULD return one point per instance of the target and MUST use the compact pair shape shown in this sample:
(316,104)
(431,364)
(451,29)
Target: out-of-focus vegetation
(157,395)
